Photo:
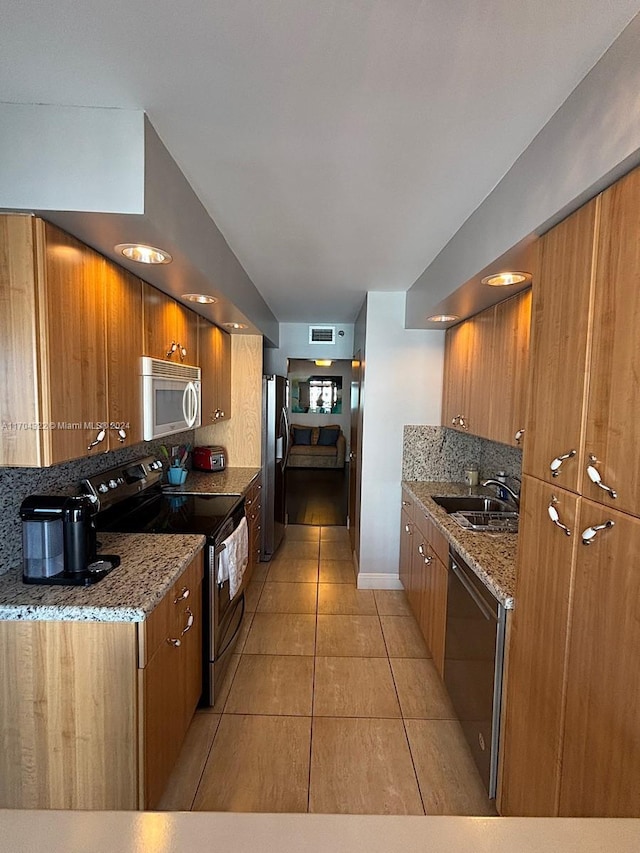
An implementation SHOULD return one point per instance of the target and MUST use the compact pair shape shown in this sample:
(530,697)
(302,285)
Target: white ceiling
(337,144)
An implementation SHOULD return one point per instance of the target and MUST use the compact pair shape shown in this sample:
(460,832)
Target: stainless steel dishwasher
(474,656)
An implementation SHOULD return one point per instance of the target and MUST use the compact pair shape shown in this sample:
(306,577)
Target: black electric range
(132,500)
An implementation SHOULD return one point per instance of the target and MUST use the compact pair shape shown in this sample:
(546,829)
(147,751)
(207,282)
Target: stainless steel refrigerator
(275,448)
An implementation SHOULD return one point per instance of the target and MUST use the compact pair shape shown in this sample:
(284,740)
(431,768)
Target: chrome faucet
(514,495)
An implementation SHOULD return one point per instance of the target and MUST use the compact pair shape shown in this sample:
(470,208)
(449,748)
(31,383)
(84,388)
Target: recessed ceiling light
(236,325)
(202,298)
(502,279)
(442,318)
(323,362)
(144,254)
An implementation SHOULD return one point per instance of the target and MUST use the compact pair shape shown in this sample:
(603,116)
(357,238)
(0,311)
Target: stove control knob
(113,484)
(120,481)
(102,488)
(158,464)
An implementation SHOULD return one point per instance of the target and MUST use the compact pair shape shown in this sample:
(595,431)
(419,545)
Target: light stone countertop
(209,832)
(492,556)
(149,565)
(231,481)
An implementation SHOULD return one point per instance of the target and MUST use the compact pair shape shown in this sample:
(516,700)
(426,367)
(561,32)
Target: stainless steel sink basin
(472,503)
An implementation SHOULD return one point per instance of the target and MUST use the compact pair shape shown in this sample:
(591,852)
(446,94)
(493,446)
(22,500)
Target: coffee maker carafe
(59,541)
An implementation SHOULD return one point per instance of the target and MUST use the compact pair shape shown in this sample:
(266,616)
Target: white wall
(403,385)
(71,158)
(294,343)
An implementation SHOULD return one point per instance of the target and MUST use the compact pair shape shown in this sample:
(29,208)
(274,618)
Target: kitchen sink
(472,503)
(487,522)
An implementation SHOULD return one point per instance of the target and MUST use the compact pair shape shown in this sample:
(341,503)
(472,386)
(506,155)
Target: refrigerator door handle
(286,436)
(279,448)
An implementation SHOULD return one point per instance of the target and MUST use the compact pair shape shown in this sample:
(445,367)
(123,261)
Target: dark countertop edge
(445,526)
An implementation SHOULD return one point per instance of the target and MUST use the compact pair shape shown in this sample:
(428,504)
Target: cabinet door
(223,373)
(601,758)
(481,382)
(437,584)
(124,349)
(558,359)
(190,686)
(532,722)
(73,366)
(166,323)
(612,434)
(458,363)
(406,549)
(510,368)
(186,332)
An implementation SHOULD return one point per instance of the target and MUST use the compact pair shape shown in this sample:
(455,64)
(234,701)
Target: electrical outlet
(174,450)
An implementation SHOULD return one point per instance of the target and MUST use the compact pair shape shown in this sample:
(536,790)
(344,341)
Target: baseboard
(378,580)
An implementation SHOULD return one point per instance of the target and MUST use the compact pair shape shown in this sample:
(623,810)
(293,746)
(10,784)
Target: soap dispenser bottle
(501,477)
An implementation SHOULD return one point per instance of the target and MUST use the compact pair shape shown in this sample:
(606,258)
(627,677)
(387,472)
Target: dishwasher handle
(481,605)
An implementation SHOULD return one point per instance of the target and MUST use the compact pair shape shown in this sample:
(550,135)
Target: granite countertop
(492,556)
(231,481)
(150,564)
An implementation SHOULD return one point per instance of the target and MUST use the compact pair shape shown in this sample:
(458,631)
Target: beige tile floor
(331,703)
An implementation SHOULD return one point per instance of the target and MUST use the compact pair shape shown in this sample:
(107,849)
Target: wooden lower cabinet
(253,509)
(531,742)
(92,716)
(424,576)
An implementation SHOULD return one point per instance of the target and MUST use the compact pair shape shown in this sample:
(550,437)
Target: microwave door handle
(189,404)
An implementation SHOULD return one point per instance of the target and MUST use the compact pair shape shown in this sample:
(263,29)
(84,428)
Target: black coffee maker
(59,541)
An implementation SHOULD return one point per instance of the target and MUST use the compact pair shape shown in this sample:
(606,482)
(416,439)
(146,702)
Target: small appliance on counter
(59,541)
(211,458)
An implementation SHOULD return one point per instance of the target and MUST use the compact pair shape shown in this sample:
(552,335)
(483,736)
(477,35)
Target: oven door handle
(482,607)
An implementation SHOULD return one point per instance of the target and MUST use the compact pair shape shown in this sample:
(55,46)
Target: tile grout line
(313,680)
(204,764)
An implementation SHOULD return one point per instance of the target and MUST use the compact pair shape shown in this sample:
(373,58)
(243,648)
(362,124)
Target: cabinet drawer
(171,614)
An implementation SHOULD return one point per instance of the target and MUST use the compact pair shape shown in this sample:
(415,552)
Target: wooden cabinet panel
(433,614)
(124,348)
(68,708)
(458,362)
(481,384)
(510,368)
(612,433)
(166,322)
(558,360)
(406,549)
(535,676)
(601,757)
(215,362)
(74,362)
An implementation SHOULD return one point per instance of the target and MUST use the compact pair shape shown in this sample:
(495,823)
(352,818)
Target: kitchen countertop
(492,556)
(231,481)
(176,832)
(149,565)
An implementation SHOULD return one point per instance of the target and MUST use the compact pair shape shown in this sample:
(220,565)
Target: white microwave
(170,397)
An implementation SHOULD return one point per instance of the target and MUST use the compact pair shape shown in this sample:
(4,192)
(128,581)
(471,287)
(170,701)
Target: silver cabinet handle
(455,420)
(98,439)
(421,549)
(556,464)
(518,436)
(589,534)
(189,624)
(462,422)
(407,529)
(555,517)
(185,592)
(594,476)
(174,641)
(428,560)
(406,503)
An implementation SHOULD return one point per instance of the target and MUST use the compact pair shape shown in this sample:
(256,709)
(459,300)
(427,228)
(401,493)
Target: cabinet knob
(555,517)
(594,476)
(122,435)
(556,464)
(518,436)
(185,592)
(590,533)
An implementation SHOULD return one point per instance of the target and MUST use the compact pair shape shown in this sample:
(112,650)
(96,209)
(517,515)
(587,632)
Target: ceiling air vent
(322,334)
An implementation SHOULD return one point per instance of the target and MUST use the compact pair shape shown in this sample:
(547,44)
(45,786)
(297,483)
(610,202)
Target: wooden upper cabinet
(536,663)
(486,371)
(612,433)
(559,349)
(124,349)
(510,369)
(215,360)
(458,363)
(167,323)
(601,756)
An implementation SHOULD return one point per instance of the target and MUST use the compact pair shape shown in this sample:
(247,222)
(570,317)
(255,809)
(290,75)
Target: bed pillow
(328,436)
(301,436)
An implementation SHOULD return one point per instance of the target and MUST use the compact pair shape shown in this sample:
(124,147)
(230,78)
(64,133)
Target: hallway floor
(331,703)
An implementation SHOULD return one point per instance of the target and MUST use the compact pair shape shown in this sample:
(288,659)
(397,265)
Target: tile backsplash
(17,483)
(442,454)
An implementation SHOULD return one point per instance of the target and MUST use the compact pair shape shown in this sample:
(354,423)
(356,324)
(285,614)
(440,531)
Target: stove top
(132,501)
